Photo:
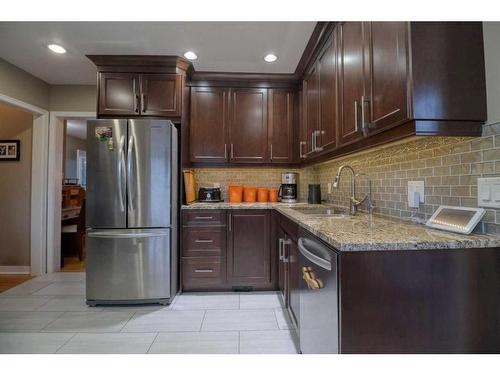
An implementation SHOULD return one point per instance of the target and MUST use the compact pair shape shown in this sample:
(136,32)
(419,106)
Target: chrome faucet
(370,204)
(353,202)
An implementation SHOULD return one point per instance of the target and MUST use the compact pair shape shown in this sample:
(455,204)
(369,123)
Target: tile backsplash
(449,167)
(257,177)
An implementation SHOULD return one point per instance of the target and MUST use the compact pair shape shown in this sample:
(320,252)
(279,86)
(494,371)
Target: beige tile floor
(48,314)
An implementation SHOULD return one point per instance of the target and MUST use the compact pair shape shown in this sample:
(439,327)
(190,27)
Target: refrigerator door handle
(121,173)
(130,180)
(107,234)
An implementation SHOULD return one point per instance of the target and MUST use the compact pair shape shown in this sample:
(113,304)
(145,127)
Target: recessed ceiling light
(190,55)
(57,48)
(270,58)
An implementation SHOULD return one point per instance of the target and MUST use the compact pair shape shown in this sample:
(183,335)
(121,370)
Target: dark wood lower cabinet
(238,255)
(249,258)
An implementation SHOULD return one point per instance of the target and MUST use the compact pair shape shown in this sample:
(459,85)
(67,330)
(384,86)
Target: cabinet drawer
(204,217)
(203,241)
(203,274)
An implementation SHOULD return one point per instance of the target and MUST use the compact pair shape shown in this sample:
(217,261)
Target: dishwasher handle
(315,258)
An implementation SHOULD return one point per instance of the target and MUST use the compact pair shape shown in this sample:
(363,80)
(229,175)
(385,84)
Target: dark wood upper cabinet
(386,74)
(208,124)
(132,94)
(310,104)
(328,116)
(351,80)
(249,257)
(161,95)
(280,125)
(119,94)
(248,125)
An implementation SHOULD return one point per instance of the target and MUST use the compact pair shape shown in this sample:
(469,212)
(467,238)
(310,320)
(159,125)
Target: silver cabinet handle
(204,271)
(136,103)
(232,151)
(225,150)
(317,133)
(130,181)
(355,115)
(364,100)
(121,173)
(271,151)
(301,154)
(285,258)
(143,103)
(313,139)
(230,222)
(204,241)
(204,217)
(280,248)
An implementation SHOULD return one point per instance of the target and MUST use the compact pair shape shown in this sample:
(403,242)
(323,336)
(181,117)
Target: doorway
(74,195)
(67,188)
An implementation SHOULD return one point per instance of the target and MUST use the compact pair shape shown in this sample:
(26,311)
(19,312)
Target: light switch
(415,193)
(488,192)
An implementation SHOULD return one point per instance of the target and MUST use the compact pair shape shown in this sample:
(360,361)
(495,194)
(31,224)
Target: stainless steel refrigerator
(132,194)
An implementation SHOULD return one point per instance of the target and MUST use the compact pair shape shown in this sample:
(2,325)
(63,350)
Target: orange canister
(235,193)
(262,195)
(273,195)
(249,194)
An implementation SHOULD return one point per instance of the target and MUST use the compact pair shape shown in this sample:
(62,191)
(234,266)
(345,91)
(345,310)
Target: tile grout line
(52,321)
(50,299)
(68,340)
(202,321)
(239,342)
(128,320)
(151,345)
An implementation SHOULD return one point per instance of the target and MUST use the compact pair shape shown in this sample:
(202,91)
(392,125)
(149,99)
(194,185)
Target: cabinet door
(248,251)
(351,83)
(280,114)
(208,125)
(161,95)
(386,74)
(248,126)
(328,95)
(118,94)
(293,278)
(311,106)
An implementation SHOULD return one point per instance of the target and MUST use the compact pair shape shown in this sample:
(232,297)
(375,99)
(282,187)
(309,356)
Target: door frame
(39,179)
(55,175)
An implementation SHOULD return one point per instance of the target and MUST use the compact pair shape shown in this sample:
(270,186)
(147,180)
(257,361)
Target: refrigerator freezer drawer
(128,266)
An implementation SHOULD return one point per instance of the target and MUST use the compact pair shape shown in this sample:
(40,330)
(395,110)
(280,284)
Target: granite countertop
(364,232)
(239,206)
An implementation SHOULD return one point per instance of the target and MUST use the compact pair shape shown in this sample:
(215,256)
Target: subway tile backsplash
(449,166)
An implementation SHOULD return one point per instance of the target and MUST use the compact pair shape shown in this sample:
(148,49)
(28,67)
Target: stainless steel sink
(322,211)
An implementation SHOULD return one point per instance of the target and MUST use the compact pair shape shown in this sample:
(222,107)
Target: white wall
(15,189)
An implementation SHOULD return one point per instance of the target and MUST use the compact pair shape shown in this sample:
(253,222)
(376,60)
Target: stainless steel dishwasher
(319,332)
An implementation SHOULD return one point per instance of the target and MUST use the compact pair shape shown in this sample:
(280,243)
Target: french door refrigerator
(132,193)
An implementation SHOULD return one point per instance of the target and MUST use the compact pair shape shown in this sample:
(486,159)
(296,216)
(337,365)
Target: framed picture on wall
(10,150)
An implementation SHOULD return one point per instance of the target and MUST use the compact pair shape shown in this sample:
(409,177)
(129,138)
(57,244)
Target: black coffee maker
(288,189)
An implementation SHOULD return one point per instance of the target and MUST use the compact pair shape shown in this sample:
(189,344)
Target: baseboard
(15,269)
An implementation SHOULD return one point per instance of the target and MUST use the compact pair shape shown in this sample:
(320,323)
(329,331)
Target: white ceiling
(221,46)
(77,128)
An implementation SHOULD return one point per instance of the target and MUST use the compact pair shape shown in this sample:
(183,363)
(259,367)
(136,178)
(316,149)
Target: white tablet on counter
(456,219)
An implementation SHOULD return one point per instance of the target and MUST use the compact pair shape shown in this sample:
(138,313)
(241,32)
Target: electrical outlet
(488,192)
(414,188)
(329,188)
